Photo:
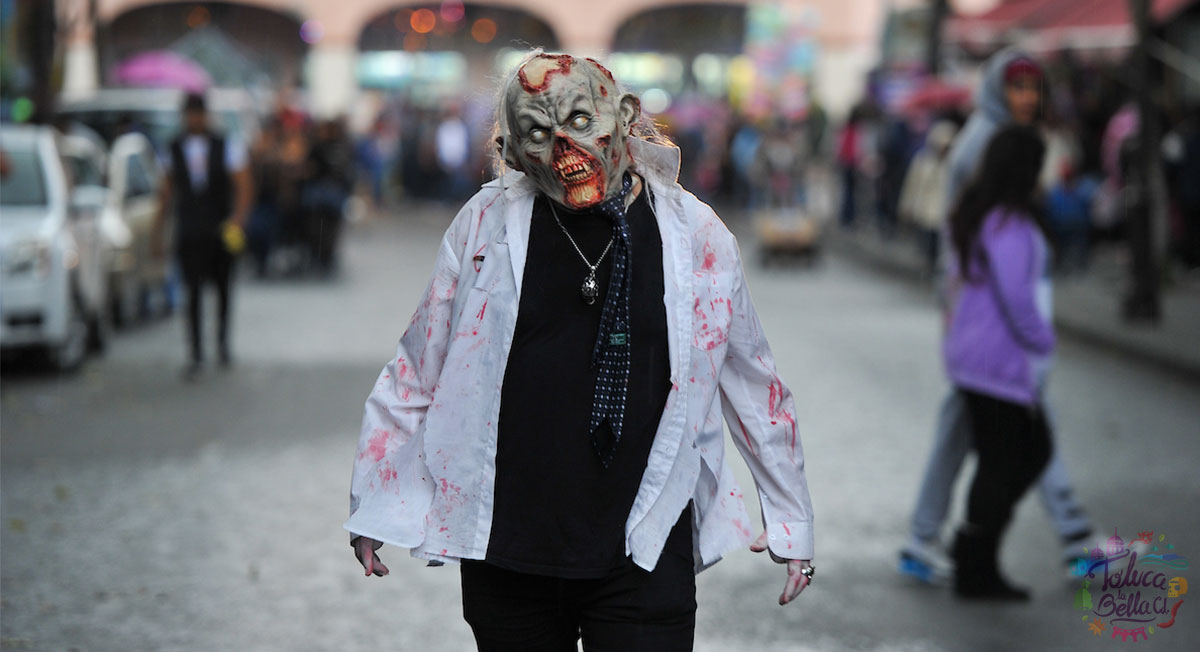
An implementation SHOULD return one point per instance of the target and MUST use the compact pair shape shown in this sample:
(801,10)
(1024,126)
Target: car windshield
(84,171)
(21,180)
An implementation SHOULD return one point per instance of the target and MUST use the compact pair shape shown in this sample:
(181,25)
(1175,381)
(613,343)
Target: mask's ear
(510,157)
(630,111)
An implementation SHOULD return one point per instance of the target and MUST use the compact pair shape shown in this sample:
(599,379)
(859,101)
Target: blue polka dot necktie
(611,354)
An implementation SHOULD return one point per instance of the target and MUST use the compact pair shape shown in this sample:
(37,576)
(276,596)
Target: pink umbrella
(162,69)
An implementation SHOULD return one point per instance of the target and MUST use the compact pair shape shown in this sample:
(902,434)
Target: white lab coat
(425,467)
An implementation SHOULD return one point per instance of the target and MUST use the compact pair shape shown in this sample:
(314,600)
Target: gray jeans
(950,448)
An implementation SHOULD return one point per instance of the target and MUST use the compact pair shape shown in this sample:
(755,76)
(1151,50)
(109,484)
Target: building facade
(846,33)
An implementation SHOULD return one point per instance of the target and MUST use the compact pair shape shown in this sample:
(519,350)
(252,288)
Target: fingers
(364,549)
(760,544)
(796,582)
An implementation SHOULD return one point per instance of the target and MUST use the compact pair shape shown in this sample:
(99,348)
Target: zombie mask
(568,128)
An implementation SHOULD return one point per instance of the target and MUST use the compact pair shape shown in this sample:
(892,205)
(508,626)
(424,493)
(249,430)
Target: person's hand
(233,236)
(796,580)
(364,549)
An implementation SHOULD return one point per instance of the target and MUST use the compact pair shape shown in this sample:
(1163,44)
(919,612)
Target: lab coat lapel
(659,165)
(677,277)
(518,211)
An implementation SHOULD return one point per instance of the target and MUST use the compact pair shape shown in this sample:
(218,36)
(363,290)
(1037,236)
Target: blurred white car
(130,186)
(53,280)
(134,200)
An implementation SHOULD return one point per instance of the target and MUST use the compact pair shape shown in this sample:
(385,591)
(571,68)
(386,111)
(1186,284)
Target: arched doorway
(239,45)
(431,52)
(682,78)
(650,52)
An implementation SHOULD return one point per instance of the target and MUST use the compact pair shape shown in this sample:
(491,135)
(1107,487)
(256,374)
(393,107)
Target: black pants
(629,611)
(1013,444)
(203,261)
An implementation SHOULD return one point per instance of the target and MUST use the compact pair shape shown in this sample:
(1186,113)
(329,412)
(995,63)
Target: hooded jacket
(425,469)
(991,113)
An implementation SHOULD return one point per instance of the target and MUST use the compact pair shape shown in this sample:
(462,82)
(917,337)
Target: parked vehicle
(53,280)
(134,180)
(86,162)
(131,202)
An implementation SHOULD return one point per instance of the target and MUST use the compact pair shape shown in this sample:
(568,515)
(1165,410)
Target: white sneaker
(926,561)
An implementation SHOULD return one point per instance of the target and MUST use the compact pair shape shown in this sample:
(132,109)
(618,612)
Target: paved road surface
(141,513)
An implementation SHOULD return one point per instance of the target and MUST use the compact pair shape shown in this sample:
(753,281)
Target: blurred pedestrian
(1182,151)
(923,197)
(780,165)
(292,236)
(998,346)
(1069,211)
(743,152)
(816,123)
(1010,93)
(330,180)
(896,149)
(529,426)
(1116,156)
(266,163)
(374,153)
(210,191)
(453,154)
(849,158)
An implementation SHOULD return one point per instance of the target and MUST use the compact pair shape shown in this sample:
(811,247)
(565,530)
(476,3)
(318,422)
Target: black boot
(976,568)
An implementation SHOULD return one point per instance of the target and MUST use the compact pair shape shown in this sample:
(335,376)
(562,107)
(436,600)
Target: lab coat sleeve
(760,413)
(391,484)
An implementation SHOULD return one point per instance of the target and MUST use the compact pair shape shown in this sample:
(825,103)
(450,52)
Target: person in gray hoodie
(1010,93)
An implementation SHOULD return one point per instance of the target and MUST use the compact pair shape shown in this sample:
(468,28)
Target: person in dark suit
(210,189)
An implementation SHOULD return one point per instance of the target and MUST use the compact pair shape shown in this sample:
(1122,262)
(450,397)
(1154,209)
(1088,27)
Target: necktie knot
(614,207)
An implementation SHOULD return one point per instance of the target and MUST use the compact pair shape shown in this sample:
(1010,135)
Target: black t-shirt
(557,510)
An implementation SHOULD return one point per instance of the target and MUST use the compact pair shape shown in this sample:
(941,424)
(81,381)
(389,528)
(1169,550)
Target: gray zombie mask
(568,129)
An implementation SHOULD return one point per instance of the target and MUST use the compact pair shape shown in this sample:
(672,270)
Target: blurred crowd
(304,174)
(882,165)
(893,166)
(886,162)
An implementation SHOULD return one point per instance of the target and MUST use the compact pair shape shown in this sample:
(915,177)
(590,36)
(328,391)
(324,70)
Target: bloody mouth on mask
(580,174)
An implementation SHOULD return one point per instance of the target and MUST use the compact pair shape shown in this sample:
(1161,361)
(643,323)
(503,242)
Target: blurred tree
(42,56)
(27,57)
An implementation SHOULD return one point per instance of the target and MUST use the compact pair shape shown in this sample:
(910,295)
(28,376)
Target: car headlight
(29,257)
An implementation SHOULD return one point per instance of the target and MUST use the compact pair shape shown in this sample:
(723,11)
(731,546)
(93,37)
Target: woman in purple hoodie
(997,347)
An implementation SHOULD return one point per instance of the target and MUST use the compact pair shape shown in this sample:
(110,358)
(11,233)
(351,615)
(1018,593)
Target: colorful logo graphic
(1131,590)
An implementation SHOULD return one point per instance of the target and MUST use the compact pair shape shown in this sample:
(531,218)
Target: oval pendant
(590,290)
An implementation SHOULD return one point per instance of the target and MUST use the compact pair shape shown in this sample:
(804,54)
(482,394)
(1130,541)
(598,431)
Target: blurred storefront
(335,49)
(1088,46)
(1050,25)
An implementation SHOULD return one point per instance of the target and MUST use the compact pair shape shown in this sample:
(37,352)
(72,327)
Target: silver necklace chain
(604,253)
